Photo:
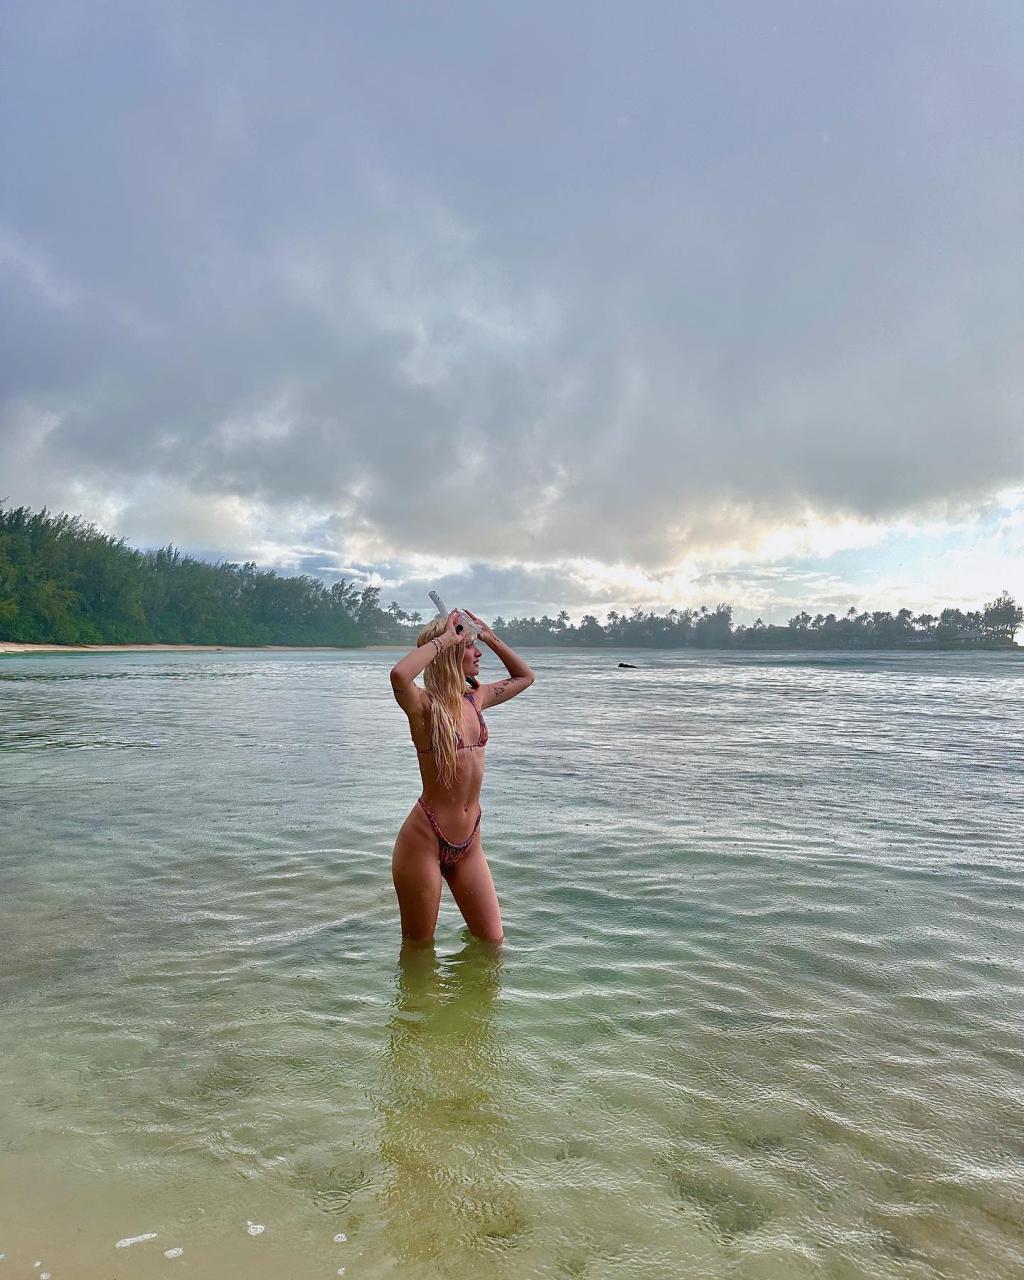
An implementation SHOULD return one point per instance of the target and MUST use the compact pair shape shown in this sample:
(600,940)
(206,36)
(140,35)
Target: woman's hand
(485,633)
(457,636)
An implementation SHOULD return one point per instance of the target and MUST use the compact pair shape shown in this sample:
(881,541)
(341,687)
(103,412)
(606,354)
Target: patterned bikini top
(460,745)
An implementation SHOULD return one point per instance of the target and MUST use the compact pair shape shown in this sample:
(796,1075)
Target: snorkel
(463,623)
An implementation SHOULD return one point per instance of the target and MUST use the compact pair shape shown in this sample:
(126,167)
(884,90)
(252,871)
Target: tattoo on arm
(508,688)
(500,689)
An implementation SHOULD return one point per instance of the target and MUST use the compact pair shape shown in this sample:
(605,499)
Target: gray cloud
(514,284)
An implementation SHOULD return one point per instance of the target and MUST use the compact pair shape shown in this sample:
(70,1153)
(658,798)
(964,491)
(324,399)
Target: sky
(546,306)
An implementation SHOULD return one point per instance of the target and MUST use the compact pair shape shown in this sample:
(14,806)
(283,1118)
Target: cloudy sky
(561,305)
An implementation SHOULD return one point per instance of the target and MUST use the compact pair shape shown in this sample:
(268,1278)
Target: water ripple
(758,1014)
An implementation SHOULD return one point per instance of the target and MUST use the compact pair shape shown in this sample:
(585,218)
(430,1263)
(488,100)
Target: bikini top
(461,746)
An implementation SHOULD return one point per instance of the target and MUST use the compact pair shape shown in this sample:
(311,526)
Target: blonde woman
(441,835)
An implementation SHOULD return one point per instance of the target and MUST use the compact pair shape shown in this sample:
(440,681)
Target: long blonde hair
(446,683)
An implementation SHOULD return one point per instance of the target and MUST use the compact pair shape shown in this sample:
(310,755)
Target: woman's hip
(443,834)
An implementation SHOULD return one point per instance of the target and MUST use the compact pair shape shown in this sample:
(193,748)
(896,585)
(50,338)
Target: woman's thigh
(473,890)
(417,877)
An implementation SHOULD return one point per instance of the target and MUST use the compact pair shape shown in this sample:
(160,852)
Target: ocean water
(758,1015)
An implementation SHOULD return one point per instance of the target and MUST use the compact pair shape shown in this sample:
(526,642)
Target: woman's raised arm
(406,669)
(520,676)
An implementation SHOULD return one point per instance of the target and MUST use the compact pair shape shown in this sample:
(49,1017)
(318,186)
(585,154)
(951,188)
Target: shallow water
(758,1014)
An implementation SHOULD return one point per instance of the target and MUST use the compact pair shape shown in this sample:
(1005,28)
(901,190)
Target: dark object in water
(628,664)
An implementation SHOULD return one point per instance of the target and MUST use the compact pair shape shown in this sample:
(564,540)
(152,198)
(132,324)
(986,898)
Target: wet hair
(446,683)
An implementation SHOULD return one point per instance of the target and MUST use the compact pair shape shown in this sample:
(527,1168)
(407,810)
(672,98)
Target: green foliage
(712,629)
(64,582)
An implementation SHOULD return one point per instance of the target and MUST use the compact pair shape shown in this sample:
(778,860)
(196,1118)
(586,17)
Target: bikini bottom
(449,854)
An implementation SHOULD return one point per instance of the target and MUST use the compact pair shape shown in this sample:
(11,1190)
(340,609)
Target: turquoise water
(758,1015)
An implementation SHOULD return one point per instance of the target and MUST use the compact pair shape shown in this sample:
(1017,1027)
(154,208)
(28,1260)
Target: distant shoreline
(15,648)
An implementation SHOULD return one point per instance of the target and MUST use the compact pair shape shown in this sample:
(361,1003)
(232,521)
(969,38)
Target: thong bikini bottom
(448,852)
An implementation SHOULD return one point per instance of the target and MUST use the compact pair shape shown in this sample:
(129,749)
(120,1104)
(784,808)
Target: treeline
(703,628)
(62,581)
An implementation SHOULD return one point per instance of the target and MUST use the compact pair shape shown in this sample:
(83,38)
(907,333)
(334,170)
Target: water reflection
(448,1200)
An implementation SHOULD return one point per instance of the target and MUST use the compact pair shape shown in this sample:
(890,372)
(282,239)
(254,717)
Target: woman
(441,836)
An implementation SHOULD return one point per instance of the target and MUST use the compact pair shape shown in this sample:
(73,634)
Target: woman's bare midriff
(455,809)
